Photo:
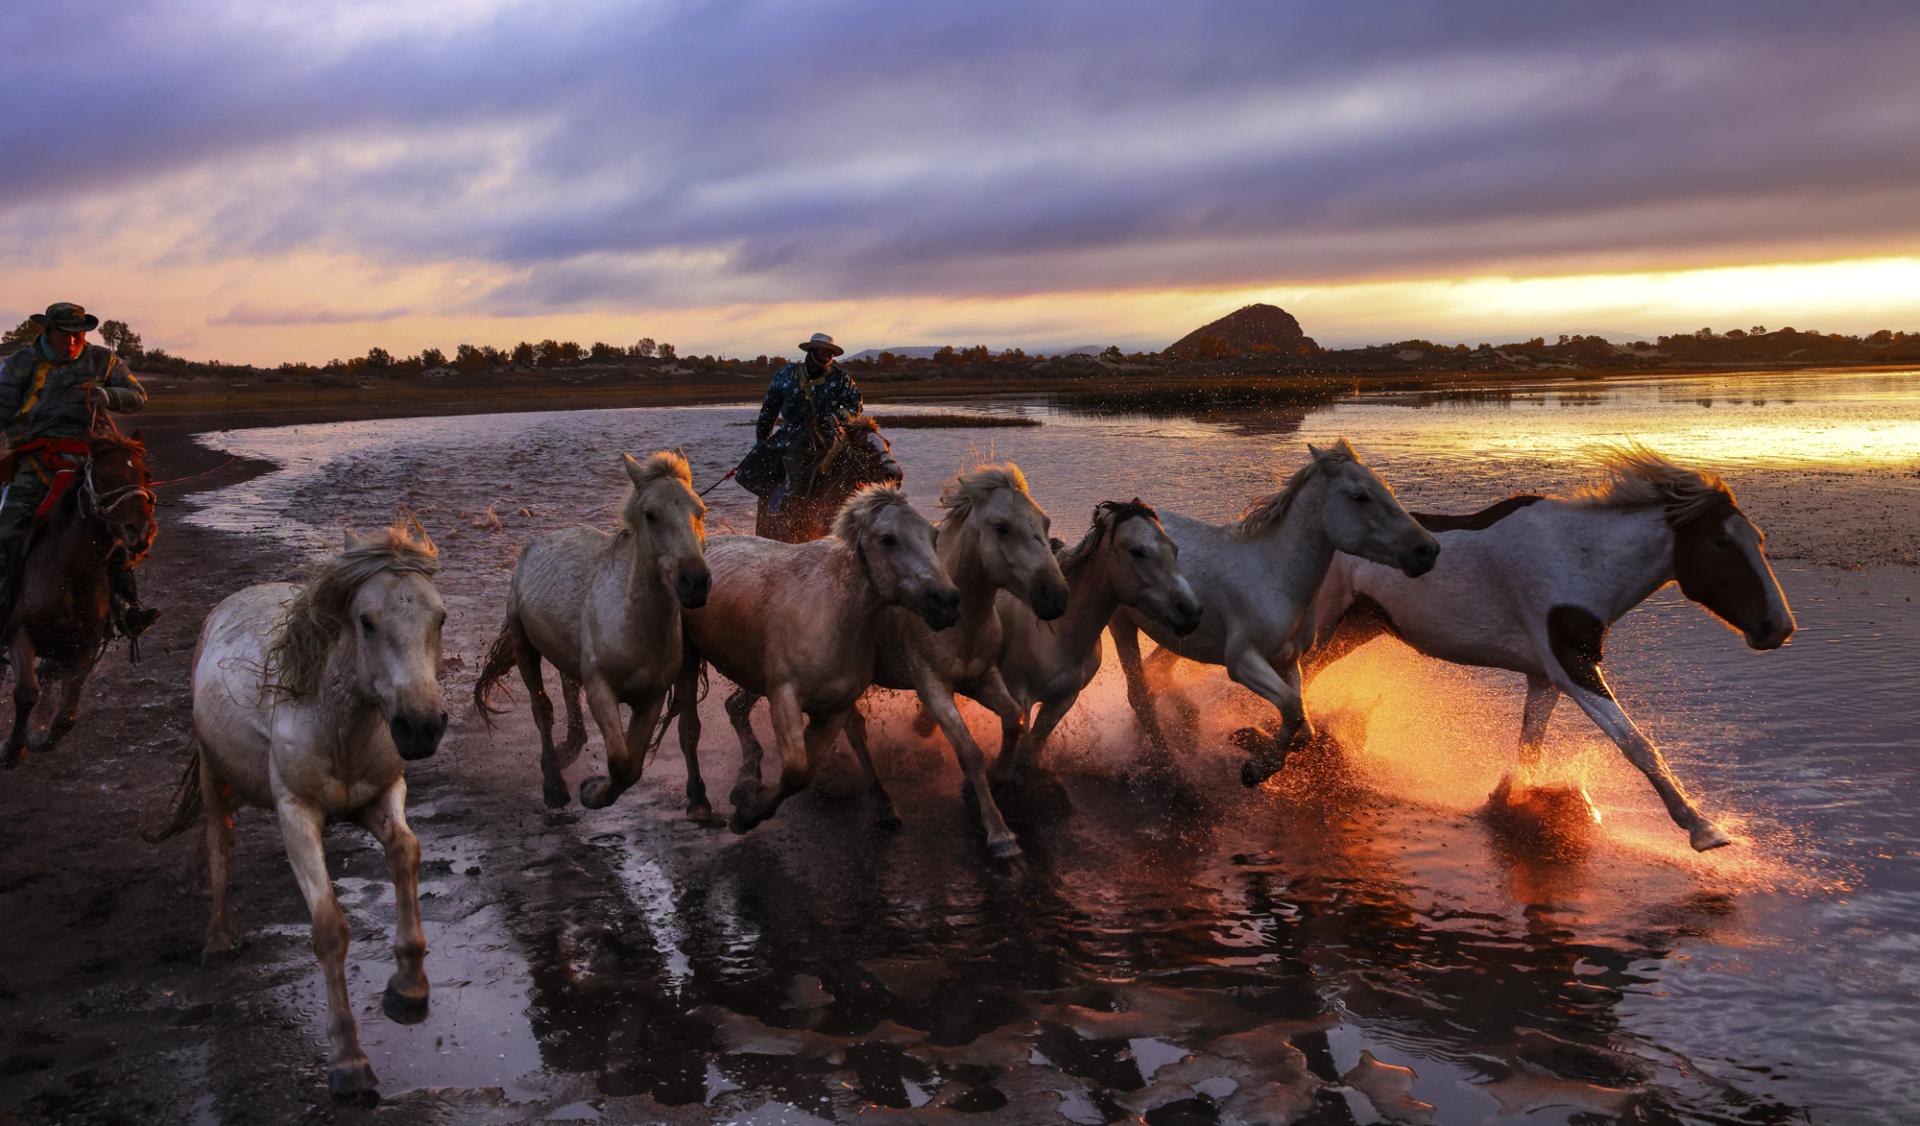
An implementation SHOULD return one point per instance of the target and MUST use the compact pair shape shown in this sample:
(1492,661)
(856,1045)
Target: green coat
(43,399)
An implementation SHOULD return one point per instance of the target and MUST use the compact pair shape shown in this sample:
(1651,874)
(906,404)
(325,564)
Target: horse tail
(500,661)
(186,801)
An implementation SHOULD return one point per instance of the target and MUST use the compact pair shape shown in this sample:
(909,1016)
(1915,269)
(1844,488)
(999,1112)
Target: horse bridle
(96,503)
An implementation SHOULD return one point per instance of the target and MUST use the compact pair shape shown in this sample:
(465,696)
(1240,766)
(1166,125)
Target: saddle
(60,461)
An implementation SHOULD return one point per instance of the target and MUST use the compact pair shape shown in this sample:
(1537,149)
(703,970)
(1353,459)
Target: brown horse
(860,455)
(59,625)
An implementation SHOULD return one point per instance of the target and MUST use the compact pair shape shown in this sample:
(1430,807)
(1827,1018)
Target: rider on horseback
(52,395)
(811,401)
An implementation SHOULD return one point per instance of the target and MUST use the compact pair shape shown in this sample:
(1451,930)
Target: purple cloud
(707,153)
(249,314)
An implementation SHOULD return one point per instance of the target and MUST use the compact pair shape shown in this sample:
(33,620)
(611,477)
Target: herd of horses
(309,699)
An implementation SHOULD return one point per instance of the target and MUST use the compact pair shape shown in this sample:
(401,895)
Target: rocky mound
(1255,330)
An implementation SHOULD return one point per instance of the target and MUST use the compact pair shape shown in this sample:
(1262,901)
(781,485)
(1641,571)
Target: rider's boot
(133,618)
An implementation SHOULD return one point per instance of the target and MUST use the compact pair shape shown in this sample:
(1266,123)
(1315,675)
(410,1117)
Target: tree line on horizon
(1703,345)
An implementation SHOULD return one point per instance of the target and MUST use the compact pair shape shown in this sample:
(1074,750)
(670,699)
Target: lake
(1173,945)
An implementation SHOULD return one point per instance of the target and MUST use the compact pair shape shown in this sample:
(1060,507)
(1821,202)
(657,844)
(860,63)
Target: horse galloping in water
(1125,559)
(859,455)
(605,611)
(1532,584)
(310,701)
(800,625)
(1257,577)
(61,617)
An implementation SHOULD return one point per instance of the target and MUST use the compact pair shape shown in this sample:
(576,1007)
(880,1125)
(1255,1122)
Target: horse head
(1720,560)
(895,545)
(117,490)
(860,455)
(668,522)
(395,615)
(990,508)
(1143,563)
(1361,516)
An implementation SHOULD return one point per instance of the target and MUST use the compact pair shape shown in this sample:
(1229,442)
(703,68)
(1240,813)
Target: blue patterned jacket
(794,402)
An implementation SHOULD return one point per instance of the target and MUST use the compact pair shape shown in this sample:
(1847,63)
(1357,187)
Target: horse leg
(1044,721)
(754,803)
(1001,843)
(1126,643)
(624,762)
(686,692)
(1606,713)
(1158,670)
(216,800)
(553,786)
(69,713)
(405,1000)
(1005,765)
(740,714)
(1541,697)
(26,696)
(349,1076)
(1251,670)
(885,816)
(576,722)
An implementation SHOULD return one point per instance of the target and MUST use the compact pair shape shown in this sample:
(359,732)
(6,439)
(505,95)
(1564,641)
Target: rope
(195,476)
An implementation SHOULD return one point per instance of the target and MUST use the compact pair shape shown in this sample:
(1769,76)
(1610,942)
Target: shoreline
(288,404)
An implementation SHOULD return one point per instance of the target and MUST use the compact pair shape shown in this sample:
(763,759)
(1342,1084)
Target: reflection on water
(1174,946)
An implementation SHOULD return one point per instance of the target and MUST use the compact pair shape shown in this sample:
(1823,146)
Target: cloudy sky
(264,182)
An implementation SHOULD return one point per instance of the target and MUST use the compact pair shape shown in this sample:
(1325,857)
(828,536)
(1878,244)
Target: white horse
(605,611)
(1257,577)
(993,541)
(309,700)
(1125,559)
(1532,583)
(799,624)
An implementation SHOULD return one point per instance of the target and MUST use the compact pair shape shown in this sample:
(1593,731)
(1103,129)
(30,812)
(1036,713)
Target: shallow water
(1174,945)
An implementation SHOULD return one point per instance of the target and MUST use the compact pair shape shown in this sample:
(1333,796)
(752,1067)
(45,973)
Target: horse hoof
(402,1009)
(1249,739)
(594,793)
(1708,837)
(887,820)
(1008,849)
(703,816)
(354,1084)
(556,795)
(217,951)
(1254,772)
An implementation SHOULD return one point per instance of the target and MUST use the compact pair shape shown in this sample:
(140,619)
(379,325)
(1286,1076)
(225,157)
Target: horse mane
(970,486)
(863,508)
(864,422)
(314,618)
(661,465)
(1268,511)
(107,440)
(1107,516)
(1637,477)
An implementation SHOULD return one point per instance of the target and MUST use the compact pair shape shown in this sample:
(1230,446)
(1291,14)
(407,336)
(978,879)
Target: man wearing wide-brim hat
(809,401)
(52,398)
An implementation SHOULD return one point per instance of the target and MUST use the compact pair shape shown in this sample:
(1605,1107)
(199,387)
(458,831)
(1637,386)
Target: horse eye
(651,518)
(889,540)
(1723,541)
(1002,528)
(1361,498)
(366,622)
(1137,552)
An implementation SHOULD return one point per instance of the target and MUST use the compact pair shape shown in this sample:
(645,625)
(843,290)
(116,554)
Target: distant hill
(926,351)
(1254,330)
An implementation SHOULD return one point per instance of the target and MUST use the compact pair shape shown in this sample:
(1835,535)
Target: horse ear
(1318,453)
(633,467)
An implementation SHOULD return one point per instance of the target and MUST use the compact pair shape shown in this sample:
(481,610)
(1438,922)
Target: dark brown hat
(67,317)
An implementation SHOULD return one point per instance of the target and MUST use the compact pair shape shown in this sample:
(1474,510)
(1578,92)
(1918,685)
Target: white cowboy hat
(823,342)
